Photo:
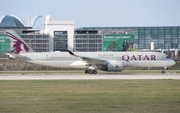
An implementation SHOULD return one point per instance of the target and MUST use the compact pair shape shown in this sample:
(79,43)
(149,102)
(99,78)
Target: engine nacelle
(113,65)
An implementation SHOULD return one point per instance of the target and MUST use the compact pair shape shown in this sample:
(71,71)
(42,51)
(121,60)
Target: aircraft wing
(89,60)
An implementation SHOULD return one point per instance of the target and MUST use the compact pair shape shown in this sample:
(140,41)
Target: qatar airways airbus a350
(90,61)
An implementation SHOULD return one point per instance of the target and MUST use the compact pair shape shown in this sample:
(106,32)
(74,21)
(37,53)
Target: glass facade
(163,37)
(60,41)
(11,21)
(88,42)
(38,42)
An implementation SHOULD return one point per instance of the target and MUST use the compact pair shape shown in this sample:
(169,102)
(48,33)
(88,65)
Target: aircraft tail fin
(18,45)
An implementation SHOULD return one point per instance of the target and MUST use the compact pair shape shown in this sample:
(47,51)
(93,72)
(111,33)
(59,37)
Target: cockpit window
(168,57)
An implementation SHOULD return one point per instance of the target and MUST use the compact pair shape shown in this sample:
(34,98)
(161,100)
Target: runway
(87,77)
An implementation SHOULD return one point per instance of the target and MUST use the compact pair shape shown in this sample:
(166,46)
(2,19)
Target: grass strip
(94,96)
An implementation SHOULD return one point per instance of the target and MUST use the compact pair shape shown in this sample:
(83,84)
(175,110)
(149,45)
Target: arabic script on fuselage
(106,55)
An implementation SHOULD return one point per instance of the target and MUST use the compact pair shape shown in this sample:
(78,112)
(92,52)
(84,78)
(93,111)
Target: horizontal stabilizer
(17,56)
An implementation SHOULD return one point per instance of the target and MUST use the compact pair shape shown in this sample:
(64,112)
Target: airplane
(90,61)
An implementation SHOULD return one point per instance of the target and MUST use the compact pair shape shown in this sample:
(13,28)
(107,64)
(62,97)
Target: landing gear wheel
(89,71)
(94,71)
(86,71)
(163,72)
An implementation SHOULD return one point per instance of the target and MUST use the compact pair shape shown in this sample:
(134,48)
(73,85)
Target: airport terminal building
(61,35)
(162,36)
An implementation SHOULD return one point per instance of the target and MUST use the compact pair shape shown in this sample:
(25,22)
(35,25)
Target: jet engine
(113,65)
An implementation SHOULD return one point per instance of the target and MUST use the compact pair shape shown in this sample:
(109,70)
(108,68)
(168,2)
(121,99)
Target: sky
(97,13)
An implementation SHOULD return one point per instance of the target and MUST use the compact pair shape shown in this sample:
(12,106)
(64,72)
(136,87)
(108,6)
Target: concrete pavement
(86,77)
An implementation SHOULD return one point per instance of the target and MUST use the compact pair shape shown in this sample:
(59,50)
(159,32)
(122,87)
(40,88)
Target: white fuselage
(128,59)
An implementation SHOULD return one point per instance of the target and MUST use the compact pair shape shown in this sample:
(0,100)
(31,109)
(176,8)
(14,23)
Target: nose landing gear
(164,70)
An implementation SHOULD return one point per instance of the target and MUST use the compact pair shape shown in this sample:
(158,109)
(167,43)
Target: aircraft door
(45,57)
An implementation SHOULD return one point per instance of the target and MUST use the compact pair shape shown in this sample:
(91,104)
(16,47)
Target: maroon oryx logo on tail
(18,45)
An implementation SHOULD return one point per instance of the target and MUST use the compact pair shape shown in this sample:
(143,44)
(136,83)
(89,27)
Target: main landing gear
(89,71)
(164,70)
